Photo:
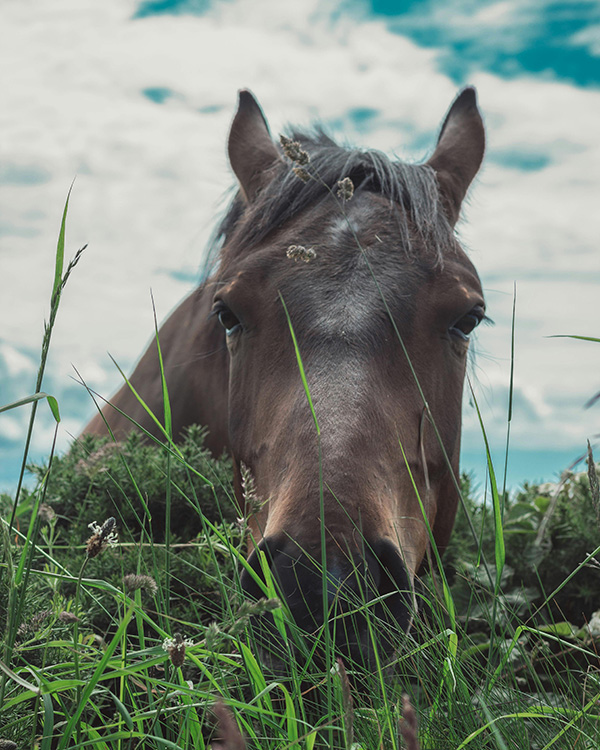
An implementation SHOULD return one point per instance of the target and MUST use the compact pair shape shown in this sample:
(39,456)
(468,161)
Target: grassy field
(123,624)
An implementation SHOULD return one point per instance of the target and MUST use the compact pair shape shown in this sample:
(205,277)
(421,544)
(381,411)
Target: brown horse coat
(381,300)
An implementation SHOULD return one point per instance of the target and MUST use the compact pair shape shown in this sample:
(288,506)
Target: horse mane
(413,187)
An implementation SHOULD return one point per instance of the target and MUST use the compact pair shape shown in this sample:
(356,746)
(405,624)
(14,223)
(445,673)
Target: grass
(150,644)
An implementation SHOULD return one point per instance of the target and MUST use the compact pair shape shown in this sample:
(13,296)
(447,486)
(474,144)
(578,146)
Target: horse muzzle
(360,602)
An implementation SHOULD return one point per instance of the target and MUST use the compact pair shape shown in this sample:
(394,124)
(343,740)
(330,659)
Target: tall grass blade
(94,680)
(52,403)
(573,336)
(60,249)
(499,546)
(300,366)
(510,393)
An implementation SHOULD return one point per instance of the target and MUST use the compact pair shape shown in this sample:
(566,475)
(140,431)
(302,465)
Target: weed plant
(124,626)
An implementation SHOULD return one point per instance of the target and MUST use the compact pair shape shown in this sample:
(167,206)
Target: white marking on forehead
(341,226)
(345,316)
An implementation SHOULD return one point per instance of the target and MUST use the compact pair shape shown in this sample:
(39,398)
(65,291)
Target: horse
(327,353)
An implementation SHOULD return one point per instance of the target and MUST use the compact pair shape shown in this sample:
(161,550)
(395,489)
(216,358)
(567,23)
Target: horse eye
(467,324)
(227,319)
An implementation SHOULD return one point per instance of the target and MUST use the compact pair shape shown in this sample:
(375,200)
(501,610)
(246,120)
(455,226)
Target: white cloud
(16,364)
(11,428)
(495,14)
(588,38)
(150,176)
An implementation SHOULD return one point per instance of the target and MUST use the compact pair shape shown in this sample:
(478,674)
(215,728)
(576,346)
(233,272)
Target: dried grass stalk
(230,737)
(408,725)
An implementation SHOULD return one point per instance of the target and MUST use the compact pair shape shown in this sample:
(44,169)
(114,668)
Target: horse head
(346,303)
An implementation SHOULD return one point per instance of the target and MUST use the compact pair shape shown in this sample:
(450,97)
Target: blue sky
(540,38)
(135,99)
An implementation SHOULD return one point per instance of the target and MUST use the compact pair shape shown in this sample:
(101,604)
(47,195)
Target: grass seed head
(249,609)
(133,582)
(213,637)
(102,537)
(229,735)
(251,499)
(345,189)
(34,623)
(294,151)
(68,617)
(176,647)
(301,173)
(408,724)
(347,703)
(299,252)
(46,513)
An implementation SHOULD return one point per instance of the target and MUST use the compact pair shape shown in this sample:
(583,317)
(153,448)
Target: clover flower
(102,537)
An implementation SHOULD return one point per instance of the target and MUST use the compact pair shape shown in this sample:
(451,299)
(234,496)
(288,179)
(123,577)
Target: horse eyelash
(218,306)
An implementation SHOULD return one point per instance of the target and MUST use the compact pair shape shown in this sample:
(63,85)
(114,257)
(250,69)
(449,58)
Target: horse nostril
(394,586)
(366,596)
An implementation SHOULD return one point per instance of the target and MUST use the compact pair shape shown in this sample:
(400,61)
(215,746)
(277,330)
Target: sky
(133,100)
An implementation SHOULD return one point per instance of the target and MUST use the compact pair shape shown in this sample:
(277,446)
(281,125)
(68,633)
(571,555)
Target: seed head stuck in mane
(299,252)
(318,169)
(301,174)
(345,189)
(294,151)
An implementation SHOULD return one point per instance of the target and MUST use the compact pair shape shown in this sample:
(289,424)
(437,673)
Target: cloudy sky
(134,100)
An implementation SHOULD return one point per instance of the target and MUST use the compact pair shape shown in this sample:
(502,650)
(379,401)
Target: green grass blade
(499,545)
(48,725)
(163,380)
(60,249)
(301,366)
(510,392)
(94,679)
(52,403)
(573,336)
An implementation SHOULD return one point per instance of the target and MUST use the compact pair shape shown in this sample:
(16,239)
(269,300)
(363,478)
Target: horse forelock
(413,188)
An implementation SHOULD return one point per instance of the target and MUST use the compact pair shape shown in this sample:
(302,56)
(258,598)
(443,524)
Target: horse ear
(251,151)
(459,150)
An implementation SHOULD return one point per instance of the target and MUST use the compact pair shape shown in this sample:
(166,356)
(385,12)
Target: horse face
(347,362)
